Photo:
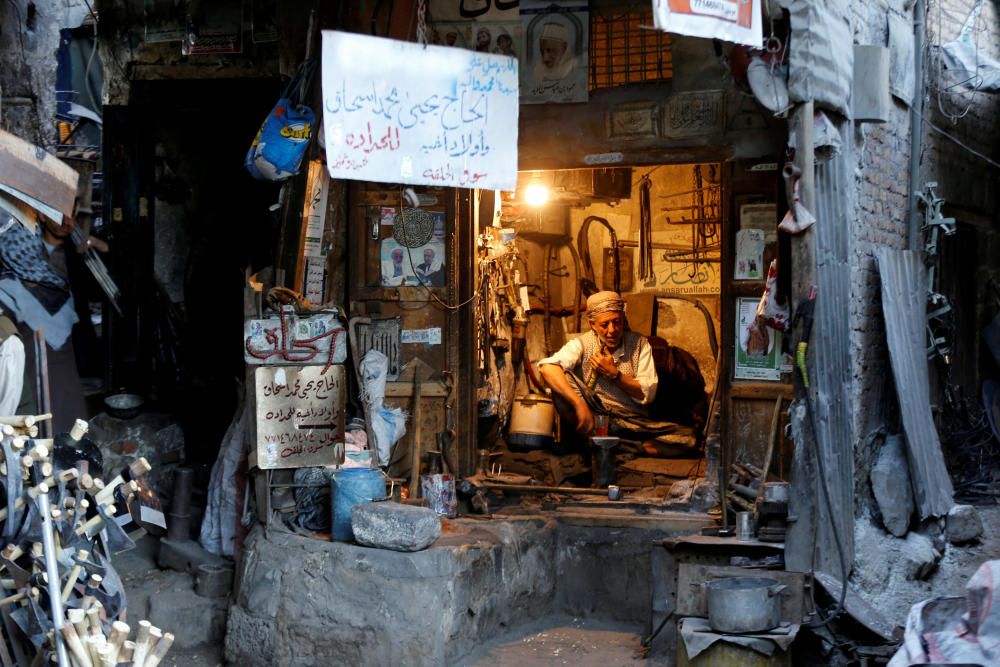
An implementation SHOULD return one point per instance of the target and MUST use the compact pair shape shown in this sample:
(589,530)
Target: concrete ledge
(303,601)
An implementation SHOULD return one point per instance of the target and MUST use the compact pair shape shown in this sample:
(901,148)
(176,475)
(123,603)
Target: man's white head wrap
(555,31)
(604,302)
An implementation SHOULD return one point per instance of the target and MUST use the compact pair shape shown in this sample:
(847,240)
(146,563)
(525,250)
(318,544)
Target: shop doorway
(655,234)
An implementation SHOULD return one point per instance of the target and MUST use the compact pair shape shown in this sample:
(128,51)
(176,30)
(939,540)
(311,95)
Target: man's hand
(584,418)
(604,364)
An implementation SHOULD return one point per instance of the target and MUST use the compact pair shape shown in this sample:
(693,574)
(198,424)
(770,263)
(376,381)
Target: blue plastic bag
(277,151)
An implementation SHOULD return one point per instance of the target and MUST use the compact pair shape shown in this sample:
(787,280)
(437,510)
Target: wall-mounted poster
(758,346)
(423,265)
(749,263)
(555,55)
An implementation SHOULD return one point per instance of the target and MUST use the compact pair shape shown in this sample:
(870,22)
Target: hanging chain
(422,22)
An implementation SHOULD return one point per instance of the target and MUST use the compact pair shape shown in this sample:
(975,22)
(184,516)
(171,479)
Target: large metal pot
(744,604)
(532,422)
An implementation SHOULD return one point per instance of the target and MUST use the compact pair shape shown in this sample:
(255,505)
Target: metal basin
(124,406)
(744,604)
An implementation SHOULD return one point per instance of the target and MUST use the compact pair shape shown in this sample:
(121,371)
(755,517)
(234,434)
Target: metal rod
(42,380)
(916,127)
(528,488)
(52,571)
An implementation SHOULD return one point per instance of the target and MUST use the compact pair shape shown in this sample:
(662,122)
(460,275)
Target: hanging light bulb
(536,193)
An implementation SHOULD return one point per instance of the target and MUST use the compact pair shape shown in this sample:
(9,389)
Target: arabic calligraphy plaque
(299,412)
(695,114)
(303,339)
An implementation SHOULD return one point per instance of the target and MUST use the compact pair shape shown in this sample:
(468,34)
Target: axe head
(115,538)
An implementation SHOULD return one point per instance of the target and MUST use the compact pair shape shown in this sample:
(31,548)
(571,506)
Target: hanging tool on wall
(804,312)
(588,282)
(645,229)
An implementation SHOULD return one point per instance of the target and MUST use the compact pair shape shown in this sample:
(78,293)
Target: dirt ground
(562,641)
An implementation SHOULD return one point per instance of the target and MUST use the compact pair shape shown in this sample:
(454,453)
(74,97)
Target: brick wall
(882,153)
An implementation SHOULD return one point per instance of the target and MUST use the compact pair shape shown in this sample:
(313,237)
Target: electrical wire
(958,141)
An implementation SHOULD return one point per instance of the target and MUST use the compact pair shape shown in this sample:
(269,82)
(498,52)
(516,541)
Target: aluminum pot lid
(767,86)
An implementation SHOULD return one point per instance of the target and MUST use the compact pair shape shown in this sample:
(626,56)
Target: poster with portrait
(758,348)
(423,265)
(498,38)
(555,54)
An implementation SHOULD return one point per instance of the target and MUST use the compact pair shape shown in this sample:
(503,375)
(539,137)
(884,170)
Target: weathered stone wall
(29,39)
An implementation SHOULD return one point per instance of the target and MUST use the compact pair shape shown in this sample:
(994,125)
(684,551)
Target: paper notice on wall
(736,21)
(315,280)
(431,336)
(315,210)
(401,112)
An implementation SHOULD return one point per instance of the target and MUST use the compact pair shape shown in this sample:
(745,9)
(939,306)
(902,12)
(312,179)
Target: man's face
(552,51)
(504,42)
(397,256)
(59,231)
(483,37)
(428,256)
(609,327)
(450,38)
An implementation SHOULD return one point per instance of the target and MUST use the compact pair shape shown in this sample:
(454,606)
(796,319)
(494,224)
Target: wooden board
(34,172)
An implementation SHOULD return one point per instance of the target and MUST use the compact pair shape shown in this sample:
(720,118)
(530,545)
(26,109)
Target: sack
(277,151)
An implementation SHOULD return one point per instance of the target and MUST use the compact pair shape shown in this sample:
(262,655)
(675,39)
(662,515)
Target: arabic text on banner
(400,112)
(738,21)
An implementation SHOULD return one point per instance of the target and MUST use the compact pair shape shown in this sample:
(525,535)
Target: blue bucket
(351,487)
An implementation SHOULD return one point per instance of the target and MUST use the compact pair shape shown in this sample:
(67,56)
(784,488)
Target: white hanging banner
(738,21)
(400,112)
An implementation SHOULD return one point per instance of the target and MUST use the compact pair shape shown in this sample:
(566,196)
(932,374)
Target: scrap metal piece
(904,303)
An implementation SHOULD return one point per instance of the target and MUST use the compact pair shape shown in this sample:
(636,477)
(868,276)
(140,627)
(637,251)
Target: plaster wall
(29,39)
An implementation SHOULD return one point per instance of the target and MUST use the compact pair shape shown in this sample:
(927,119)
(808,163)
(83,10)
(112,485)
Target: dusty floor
(584,642)
(884,586)
(562,641)
(143,579)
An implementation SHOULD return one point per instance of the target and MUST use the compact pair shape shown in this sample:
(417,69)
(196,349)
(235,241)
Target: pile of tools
(768,501)
(64,603)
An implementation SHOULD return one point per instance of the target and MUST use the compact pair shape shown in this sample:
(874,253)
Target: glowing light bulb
(536,194)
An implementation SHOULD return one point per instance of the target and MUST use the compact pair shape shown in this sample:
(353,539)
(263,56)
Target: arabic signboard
(299,416)
(736,21)
(294,339)
(401,112)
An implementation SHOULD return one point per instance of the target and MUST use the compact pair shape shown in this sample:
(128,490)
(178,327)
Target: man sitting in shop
(608,370)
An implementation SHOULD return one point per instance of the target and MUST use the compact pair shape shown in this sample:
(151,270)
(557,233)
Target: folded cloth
(698,636)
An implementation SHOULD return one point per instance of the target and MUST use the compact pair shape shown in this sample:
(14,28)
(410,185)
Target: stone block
(963,524)
(185,556)
(919,556)
(890,478)
(388,525)
(194,620)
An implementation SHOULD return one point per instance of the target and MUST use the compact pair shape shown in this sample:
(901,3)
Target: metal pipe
(179,525)
(916,136)
(52,572)
(529,488)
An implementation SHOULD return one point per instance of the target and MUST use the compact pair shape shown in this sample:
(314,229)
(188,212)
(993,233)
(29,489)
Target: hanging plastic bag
(281,142)
(772,313)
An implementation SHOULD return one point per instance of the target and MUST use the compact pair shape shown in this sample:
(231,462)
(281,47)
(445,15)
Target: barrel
(351,487)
